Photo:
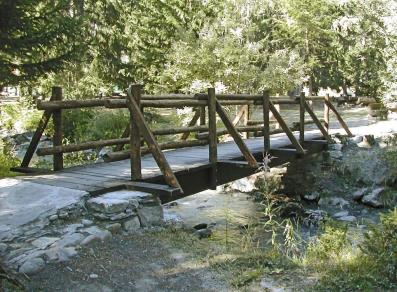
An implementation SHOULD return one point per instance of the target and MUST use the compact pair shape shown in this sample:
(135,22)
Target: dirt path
(141,262)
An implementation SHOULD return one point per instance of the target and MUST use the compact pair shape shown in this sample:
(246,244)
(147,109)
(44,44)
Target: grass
(343,266)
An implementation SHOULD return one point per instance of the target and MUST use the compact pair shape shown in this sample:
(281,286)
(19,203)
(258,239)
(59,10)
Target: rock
(98,237)
(104,235)
(44,242)
(107,205)
(70,240)
(278,170)
(363,144)
(335,154)
(372,199)
(312,196)
(121,216)
(32,266)
(89,239)
(347,218)
(356,139)
(132,197)
(100,216)
(72,228)
(3,247)
(172,204)
(114,228)
(200,226)
(369,139)
(204,233)
(151,215)
(53,217)
(132,224)
(314,217)
(173,220)
(244,185)
(292,209)
(341,214)
(60,254)
(92,230)
(333,201)
(335,147)
(63,215)
(357,195)
(93,276)
(87,222)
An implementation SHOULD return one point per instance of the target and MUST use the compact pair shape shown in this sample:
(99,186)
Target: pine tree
(37,36)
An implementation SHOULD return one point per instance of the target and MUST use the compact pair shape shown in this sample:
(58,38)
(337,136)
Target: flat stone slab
(23,202)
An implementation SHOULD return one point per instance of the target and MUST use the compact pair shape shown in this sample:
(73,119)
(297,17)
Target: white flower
(220,87)
(199,86)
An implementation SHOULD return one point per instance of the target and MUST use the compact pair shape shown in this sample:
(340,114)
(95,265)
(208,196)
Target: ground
(140,262)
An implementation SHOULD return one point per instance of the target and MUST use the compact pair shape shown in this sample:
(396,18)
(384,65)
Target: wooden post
(318,123)
(193,122)
(202,116)
(286,129)
(36,137)
(236,137)
(58,128)
(278,108)
(212,137)
(340,119)
(326,113)
(247,115)
(266,121)
(302,118)
(151,142)
(125,134)
(135,137)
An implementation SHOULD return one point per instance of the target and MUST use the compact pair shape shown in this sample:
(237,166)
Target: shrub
(7,160)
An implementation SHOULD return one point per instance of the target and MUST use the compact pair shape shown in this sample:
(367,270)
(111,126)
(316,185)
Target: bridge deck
(95,177)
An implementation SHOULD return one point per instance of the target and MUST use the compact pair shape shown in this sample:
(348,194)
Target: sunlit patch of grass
(343,266)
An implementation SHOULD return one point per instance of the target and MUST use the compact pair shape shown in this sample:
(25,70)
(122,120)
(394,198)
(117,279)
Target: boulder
(60,254)
(32,266)
(341,214)
(107,205)
(357,195)
(333,201)
(97,237)
(71,239)
(132,224)
(44,242)
(312,196)
(114,228)
(151,216)
(291,209)
(348,218)
(372,199)
(87,222)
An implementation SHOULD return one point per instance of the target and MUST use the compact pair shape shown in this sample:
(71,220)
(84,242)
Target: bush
(7,160)
(371,267)
(380,246)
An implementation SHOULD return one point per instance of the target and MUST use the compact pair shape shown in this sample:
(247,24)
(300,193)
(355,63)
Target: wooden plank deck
(94,177)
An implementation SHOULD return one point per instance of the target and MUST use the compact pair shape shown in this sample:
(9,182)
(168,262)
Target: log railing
(204,123)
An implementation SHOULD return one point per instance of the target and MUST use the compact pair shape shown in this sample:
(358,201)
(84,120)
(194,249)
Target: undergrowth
(342,266)
(7,160)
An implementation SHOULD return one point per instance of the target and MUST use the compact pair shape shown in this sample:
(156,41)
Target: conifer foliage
(37,36)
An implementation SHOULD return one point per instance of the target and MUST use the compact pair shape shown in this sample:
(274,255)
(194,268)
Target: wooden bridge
(179,168)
